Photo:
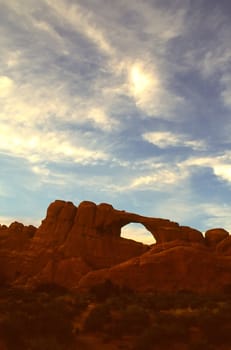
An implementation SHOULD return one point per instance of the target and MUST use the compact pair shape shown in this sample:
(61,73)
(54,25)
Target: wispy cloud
(219,164)
(50,146)
(126,68)
(81,20)
(166,139)
(217,216)
(159,179)
(118,100)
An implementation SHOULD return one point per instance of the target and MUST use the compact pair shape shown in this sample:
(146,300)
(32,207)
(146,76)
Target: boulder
(214,236)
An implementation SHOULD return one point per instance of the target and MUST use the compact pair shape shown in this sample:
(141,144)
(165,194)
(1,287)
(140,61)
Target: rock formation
(79,246)
(182,267)
(216,235)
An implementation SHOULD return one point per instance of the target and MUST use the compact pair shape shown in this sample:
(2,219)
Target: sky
(126,102)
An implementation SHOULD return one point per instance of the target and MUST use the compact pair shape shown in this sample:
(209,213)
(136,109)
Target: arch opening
(137,232)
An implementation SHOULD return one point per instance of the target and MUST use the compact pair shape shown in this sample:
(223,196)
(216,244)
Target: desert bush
(97,318)
(147,340)
(28,319)
(216,324)
(13,324)
(158,335)
(51,289)
(107,289)
(46,343)
(104,290)
(200,344)
(3,280)
(132,319)
(227,289)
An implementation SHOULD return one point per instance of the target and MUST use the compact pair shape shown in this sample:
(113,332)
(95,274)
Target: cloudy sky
(126,102)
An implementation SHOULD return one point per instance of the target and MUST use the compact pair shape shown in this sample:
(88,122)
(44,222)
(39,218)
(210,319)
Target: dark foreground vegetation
(110,317)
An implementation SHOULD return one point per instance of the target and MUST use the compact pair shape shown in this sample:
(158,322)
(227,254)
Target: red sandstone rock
(171,270)
(214,236)
(160,247)
(66,224)
(73,241)
(17,236)
(65,272)
(48,227)
(224,247)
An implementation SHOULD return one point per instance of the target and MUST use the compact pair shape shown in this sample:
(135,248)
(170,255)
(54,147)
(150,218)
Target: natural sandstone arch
(137,232)
(72,225)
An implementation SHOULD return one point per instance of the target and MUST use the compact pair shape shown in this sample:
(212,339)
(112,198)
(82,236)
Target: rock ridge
(76,246)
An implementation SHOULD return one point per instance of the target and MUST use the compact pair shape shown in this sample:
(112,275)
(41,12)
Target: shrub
(51,288)
(146,340)
(45,343)
(201,344)
(97,318)
(107,289)
(133,319)
(29,319)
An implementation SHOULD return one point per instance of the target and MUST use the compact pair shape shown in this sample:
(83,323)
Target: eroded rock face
(224,246)
(58,222)
(89,231)
(17,236)
(93,232)
(72,242)
(214,236)
(183,267)
(65,222)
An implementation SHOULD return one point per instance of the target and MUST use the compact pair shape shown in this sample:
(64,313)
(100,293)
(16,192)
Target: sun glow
(144,85)
(6,86)
(139,79)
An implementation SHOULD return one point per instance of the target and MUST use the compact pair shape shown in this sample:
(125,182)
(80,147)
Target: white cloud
(130,72)
(159,178)
(217,216)
(143,77)
(83,21)
(165,139)
(157,21)
(143,85)
(183,208)
(141,81)
(155,174)
(37,146)
(221,164)
(223,171)
(148,85)
(168,176)
(150,175)
(6,86)
(101,119)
